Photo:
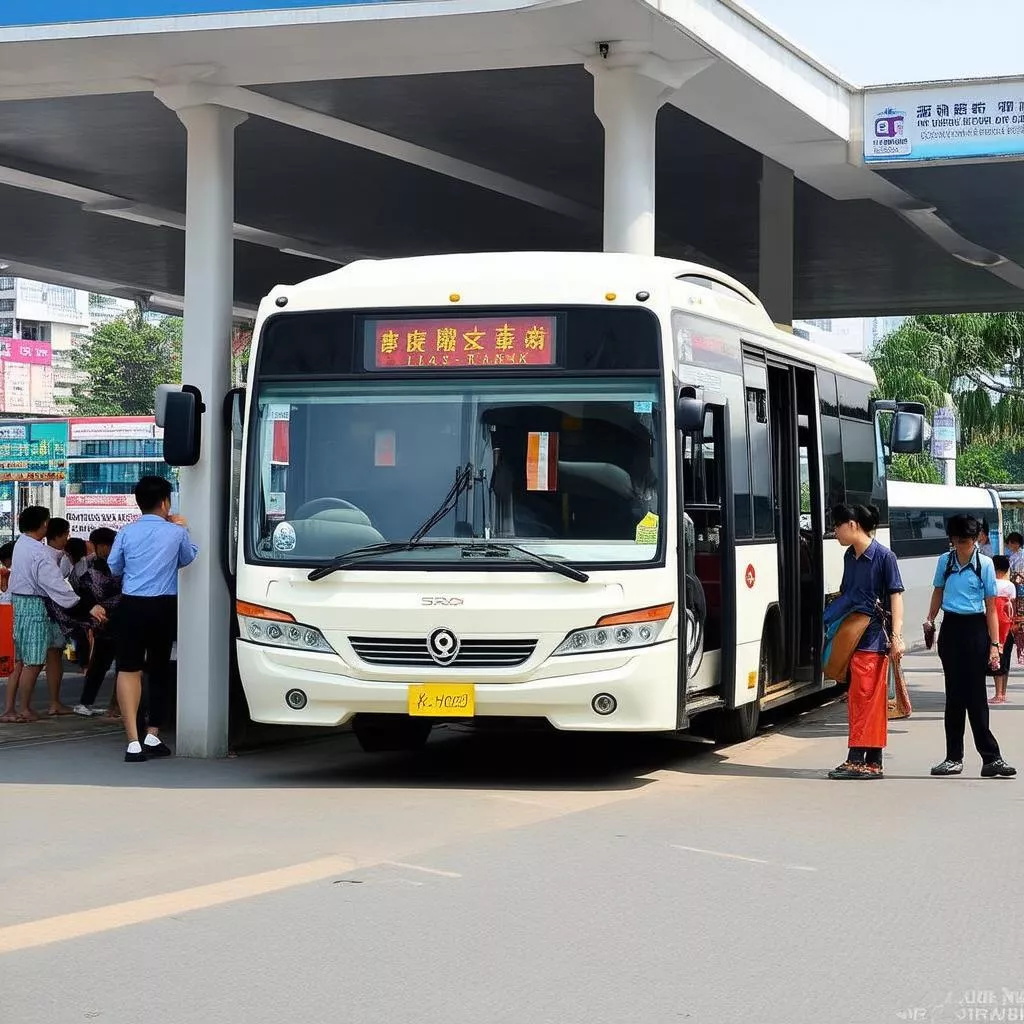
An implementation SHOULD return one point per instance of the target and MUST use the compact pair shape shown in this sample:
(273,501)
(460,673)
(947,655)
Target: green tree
(978,358)
(983,462)
(122,362)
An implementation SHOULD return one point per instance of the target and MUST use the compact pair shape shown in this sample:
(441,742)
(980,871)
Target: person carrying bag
(860,646)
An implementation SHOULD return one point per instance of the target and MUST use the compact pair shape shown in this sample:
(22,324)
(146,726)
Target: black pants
(964,648)
(145,628)
(103,651)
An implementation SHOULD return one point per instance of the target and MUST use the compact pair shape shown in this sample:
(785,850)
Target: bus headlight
(619,632)
(268,626)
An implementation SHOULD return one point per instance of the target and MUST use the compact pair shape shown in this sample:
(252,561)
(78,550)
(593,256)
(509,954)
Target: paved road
(561,879)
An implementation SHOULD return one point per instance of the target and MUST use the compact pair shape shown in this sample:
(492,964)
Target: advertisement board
(944,122)
(116,428)
(50,303)
(39,454)
(88,512)
(36,353)
(54,12)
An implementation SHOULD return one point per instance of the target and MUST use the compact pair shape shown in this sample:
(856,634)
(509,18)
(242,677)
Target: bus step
(703,702)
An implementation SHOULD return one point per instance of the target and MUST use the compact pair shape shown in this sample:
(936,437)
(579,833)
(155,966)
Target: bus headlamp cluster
(272,628)
(619,632)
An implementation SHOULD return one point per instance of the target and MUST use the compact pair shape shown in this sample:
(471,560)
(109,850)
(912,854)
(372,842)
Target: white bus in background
(918,514)
(565,487)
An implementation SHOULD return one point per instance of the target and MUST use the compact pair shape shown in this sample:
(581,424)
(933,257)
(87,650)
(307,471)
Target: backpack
(951,564)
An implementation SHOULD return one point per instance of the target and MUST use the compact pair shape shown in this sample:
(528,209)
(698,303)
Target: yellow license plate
(442,700)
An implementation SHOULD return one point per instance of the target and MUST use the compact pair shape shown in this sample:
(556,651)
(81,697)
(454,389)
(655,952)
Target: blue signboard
(944,122)
(51,12)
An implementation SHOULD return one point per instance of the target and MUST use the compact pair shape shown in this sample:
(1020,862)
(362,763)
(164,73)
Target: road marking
(419,867)
(151,908)
(736,856)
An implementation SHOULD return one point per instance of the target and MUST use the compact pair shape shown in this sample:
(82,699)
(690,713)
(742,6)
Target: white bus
(918,514)
(566,487)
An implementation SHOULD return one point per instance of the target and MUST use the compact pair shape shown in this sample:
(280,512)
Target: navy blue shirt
(875,575)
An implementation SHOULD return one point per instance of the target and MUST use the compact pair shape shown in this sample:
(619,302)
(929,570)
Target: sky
(871,42)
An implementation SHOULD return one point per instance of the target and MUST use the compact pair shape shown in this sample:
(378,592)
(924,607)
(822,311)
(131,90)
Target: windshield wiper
(493,547)
(463,482)
(364,554)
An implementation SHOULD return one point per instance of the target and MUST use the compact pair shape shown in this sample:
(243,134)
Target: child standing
(1006,601)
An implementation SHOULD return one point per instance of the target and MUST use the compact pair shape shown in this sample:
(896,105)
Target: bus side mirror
(689,411)
(183,426)
(906,437)
(234,411)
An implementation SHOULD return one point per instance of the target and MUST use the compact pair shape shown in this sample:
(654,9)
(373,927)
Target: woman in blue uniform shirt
(965,590)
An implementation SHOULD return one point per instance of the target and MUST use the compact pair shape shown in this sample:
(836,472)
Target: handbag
(841,644)
(898,704)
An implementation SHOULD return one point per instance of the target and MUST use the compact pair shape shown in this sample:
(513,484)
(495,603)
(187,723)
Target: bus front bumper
(643,683)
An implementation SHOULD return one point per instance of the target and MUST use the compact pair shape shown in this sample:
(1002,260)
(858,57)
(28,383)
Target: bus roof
(571,278)
(924,496)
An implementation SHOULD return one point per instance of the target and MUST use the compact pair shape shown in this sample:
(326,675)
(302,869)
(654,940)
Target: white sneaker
(84,710)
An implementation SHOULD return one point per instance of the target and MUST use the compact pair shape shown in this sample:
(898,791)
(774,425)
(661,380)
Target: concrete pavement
(522,880)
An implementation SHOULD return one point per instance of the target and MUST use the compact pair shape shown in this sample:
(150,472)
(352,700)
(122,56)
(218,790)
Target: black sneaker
(948,768)
(134,758)
(159,750)
(997,769)
(847,770)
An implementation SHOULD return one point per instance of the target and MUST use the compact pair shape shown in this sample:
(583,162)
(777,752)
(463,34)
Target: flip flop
(62,712)
(11,719)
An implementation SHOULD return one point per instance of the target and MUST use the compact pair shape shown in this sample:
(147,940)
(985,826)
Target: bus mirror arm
(233,410)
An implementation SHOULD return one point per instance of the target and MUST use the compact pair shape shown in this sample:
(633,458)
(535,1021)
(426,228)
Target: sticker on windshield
(284,537)
(640,407)
(647,529)
(542,460)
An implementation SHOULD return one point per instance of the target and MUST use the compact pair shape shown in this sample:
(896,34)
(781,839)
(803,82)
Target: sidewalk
(62,727)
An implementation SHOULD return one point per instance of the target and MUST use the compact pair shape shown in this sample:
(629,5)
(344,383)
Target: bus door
(797,512)
(707,558)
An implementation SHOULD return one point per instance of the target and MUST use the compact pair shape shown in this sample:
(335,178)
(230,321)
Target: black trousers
(103,651)
(964,647)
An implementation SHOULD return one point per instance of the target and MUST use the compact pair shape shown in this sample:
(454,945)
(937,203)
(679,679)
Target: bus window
(756,379)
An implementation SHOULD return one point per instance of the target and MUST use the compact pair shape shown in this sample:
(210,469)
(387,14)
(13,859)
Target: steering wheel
(311,508)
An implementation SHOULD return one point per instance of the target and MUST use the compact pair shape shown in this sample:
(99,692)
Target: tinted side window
(827,394)
(832,460)
(732,388)
(756,382)
(920,532)
(858,460)
(854,398)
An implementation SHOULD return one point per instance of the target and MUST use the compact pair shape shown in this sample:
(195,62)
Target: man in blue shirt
(965,589)
(147,555)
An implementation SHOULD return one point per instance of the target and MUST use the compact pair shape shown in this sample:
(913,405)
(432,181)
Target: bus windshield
(570,468)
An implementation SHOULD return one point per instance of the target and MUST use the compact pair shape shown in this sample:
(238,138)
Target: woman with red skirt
(872,597)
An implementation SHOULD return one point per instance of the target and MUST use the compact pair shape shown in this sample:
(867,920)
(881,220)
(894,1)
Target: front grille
(412,650)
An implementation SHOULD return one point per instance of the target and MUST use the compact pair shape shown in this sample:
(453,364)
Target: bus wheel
(379,733)
(736,725)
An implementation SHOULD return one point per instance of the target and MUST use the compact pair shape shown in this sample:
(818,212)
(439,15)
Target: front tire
(387,733)
(737,725)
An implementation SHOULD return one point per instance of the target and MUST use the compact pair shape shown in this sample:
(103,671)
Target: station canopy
(392,129)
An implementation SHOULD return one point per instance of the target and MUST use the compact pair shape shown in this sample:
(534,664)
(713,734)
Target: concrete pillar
(204,614)
(775,243)
(629,90)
